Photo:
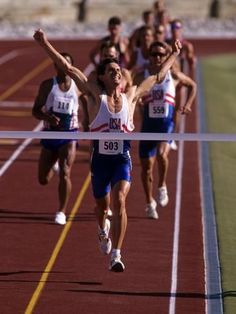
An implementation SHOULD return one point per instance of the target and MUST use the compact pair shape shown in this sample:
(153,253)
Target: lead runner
(109,110)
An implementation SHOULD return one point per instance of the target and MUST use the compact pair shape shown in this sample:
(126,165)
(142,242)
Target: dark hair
(145,28)
(161,44)
(102,65)
(114,20)
(146,13)
(66,54)
(107,44)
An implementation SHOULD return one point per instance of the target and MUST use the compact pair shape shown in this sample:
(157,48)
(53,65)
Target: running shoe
(56,167)
(163,198)
(173,145)
(116,265)
(104,240)
(109,212)
(60,218)
(151,210)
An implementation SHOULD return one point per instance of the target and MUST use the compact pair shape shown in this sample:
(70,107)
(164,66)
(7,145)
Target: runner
(187,57)
(57,105)
(115,37)
(140,55)
(148,20)
(158,111)
(110,111)
(186,62)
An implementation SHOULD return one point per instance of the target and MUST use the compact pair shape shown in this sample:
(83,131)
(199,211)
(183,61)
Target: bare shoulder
(188,45)
(46,86)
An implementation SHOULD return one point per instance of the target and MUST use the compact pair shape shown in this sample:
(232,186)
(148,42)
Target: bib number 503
(110,147)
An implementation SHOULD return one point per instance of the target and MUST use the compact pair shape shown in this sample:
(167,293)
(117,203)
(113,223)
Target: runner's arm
(184,80)
(38,110)
(78,76)
(147,84)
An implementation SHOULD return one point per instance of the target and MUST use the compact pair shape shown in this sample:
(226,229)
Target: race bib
(63,105)
(158,110)
(113,147)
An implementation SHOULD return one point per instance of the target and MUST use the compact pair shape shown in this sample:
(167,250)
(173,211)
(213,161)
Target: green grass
(219,81)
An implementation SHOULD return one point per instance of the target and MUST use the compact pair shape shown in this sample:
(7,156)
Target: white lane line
(213,288)
(15,53)
(18,151)
(11,55)
(179,176)
(15,104)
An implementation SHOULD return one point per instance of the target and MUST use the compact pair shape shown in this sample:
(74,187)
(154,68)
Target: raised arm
(78,76)
(148,83)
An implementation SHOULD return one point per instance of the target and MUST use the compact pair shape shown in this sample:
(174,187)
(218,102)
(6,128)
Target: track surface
(74,277)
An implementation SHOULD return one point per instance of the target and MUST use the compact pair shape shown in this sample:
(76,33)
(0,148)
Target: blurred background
(98,10)
(92,12)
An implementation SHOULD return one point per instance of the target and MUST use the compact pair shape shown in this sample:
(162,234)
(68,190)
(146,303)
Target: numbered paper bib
(63,105)
(158,110)
(111,147)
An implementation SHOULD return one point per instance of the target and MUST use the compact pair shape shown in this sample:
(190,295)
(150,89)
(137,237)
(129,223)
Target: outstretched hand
(176,46)
(40,36)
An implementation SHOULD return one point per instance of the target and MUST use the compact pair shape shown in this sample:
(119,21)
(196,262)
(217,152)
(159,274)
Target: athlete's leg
(163,162)
(66,156)
(46,161)
(119,221)
(102,205)
(147,165)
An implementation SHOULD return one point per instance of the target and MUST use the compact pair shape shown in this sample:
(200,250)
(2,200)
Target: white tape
(211,137)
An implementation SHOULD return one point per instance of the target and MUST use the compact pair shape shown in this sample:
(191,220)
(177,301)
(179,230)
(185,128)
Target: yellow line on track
(13,113)
(8,141)
(43,65)
(57,249)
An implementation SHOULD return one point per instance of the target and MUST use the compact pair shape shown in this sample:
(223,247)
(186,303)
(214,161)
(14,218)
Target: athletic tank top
(64,105)
(160,101)
(107,121)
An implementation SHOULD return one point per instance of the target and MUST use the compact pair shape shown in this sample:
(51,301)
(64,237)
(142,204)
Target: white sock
(115,253)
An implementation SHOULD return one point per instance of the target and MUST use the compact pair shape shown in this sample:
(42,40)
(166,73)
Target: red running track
(45,268)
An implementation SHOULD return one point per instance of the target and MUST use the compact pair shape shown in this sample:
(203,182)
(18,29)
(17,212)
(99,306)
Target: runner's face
(113,73)
(176,30)
(160,33)
(157,55)
(110,52)
(114,29)
(147,37)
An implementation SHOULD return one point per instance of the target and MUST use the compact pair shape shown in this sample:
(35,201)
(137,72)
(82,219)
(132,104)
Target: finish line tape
(202,137)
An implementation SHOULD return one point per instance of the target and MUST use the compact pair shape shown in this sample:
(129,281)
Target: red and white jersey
(63,104)
(107,121)
(161,98)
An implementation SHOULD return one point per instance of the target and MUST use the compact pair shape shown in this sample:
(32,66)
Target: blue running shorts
(107,170)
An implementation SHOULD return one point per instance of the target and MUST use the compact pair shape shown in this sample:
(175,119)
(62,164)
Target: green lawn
(219,81)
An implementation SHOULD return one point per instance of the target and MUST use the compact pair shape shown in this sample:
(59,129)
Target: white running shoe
(109,212)
(151,210)
(60,218)
(104,240)
(56,167)
(173,145)
(163,198)
(116,265)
